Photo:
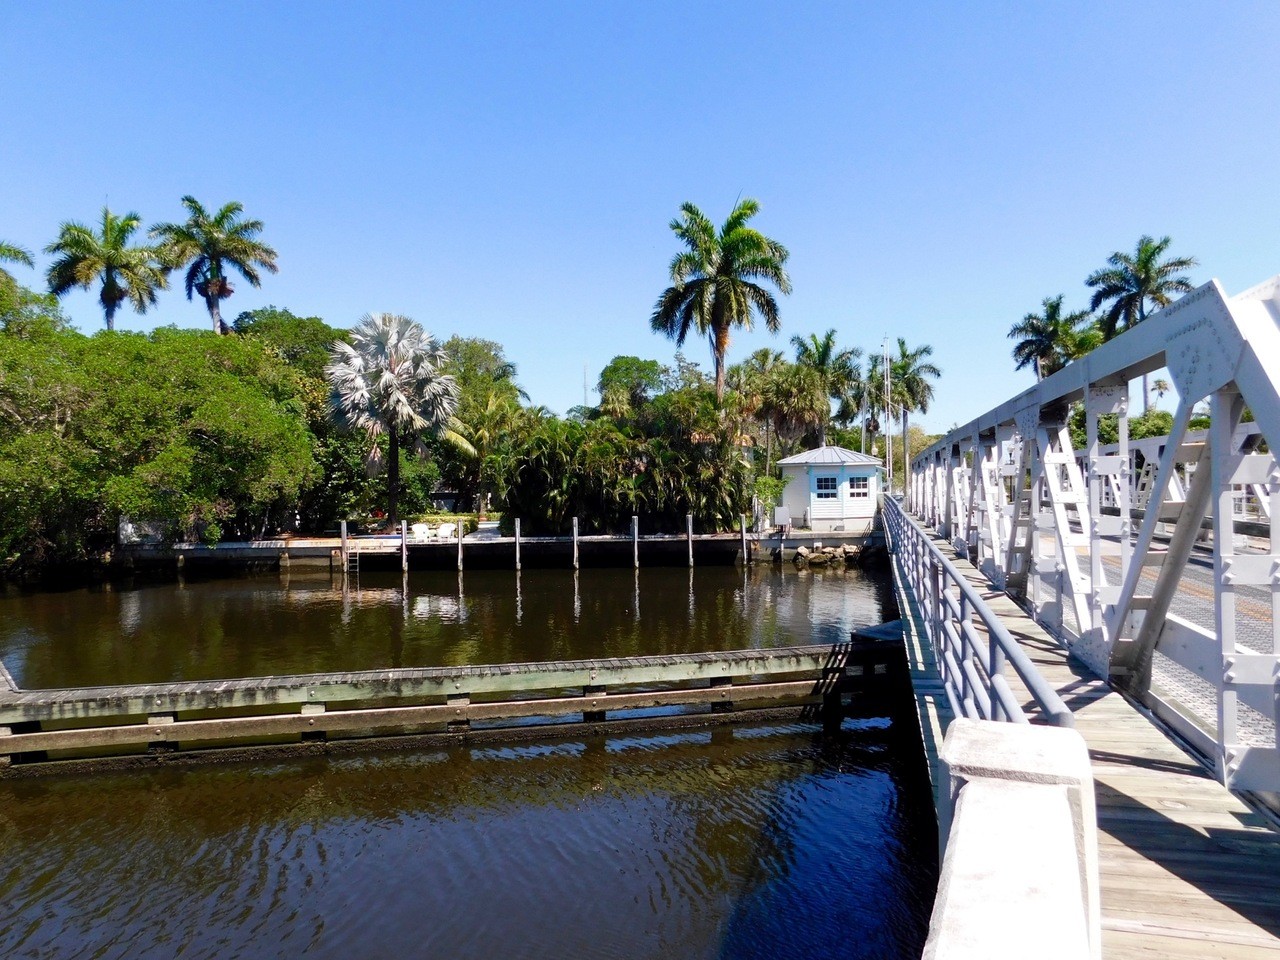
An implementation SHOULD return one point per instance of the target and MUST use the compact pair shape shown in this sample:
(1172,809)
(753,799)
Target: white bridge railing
(970,642)
(1153,561)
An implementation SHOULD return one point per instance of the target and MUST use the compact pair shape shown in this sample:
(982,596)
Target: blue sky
(508,171)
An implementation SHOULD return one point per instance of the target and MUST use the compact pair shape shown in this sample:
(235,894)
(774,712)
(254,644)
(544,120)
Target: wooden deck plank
(1187,869)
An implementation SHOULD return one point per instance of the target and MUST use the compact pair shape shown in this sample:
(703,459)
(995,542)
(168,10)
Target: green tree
(716,282)
(837,370)
(1048,341)
(210,244)
(388,380)
(1129,282)
(84,257)
(630,377)
(795,401)
(912,371)
(198,434)
(12,253)
(302,342)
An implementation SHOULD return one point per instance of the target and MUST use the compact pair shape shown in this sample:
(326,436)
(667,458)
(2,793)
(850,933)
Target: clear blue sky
(508,171)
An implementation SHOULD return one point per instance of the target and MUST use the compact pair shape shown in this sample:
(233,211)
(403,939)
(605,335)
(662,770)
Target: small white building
(831,489)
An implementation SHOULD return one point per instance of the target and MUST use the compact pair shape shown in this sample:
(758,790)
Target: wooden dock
(1188,870)
(517,700)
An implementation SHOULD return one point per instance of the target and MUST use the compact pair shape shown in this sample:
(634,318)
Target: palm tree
(12,253)
(85,257)
(837,369)
(1128,282)
(1048,341)
(714,282)
(748,379)
(910,373)
(388,380)
(1161,387)
(207,245)
(795,400)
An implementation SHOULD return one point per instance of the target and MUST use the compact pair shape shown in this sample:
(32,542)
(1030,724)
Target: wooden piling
(462,529)
(404,546)
(688,534)
(517,543)
(742,518)
(342,533)
(635,542)
(575,543)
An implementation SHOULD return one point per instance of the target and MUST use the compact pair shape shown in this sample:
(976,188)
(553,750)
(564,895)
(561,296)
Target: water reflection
(761,842)
(298,623)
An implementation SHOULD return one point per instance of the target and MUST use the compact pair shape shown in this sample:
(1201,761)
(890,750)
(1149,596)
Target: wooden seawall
(518,700)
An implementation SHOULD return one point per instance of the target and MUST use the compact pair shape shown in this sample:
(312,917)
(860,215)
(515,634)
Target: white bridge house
(831,489)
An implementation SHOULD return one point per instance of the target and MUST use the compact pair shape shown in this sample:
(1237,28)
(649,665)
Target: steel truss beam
(1054,526)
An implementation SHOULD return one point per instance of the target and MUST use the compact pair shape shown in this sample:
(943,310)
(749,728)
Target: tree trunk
(822,433)
(1146,394)
(215,313)
(110,310)
(768,450)
(719,347)
(863,448)
(393,479)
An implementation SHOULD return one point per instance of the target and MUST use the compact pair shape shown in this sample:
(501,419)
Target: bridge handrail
(974,683)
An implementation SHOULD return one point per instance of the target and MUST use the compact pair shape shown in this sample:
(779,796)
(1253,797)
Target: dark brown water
(756,841)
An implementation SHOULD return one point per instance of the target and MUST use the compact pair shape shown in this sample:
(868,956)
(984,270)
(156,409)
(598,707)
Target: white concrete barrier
(1020,851)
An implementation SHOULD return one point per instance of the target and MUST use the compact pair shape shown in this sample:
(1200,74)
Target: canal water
(756,840)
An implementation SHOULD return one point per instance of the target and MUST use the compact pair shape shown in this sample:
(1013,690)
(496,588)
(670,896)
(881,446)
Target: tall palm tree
(85,256)
(388,380)
(714,283)
(910,375)
(837,370)
(12,253)
(207,245)
(1048,341)
(1128,282)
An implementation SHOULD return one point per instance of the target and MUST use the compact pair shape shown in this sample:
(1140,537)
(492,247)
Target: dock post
(404,546)
(688,534)
(517,543)
(742,518)
(342,532)
(462,529)
(575,543)
(635,542)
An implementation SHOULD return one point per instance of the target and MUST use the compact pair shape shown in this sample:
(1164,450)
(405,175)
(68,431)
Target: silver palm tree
(388,380)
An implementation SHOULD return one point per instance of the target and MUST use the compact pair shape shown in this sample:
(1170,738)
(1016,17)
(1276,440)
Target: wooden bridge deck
(1187,868)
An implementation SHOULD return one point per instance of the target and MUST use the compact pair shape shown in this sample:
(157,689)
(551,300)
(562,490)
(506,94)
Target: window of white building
(860,487)
(826,487)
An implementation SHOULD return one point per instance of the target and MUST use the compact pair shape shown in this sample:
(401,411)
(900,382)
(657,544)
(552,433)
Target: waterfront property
(831,490)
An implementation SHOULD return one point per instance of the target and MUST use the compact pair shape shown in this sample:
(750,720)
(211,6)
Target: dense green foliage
(203,435)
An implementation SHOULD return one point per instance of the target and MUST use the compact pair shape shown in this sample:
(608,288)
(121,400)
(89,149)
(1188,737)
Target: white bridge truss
(1153,560)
